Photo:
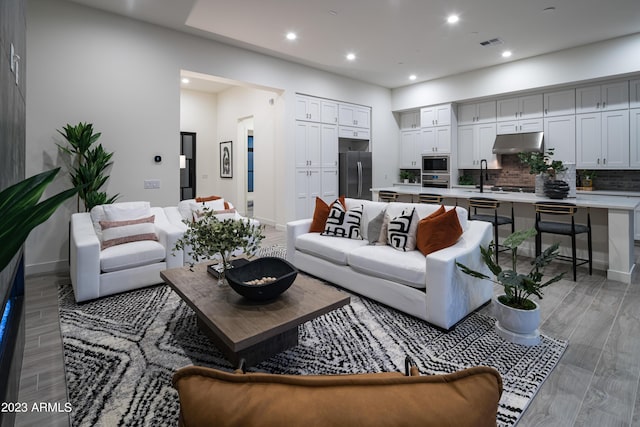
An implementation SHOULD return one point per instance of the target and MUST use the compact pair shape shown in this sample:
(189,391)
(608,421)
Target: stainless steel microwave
(435,164)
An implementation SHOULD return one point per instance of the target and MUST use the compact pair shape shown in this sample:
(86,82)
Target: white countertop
(595,199)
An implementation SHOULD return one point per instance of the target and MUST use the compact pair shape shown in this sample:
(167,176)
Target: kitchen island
(612,222)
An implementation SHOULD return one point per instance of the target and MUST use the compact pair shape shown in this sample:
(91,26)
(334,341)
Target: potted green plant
(587,178)
(88,163)
(541,165)
(21,211)
(518,317)
(405,176)
(208,237)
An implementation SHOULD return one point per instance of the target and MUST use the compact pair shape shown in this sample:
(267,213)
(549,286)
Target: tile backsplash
(513,172)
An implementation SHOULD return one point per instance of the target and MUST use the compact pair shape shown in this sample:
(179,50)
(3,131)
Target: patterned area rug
(121,351)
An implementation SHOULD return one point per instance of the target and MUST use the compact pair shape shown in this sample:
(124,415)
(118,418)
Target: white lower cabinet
(308,187)
(634,139)
(637,224)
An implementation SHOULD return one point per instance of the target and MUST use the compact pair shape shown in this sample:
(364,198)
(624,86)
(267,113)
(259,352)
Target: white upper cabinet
(520,126)
(354,115)
(308,108)
(602,140)
(523,107)
(634,94)
(437,115)
(560,103)
(560,134)
(475,142)
(410,120)
(436,140)
(329,112)
(607,97)
(480,112)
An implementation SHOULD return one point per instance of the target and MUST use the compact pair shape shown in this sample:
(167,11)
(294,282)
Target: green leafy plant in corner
(89,163)
(208,237)
(540,162)
(518,287)
(405,174)
(21,211)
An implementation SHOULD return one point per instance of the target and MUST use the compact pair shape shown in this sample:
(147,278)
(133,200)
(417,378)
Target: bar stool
(435,199)
(387,196)
(485,204)
(565,229)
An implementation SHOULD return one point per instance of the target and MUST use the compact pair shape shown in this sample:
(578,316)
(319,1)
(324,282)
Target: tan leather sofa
(210,397)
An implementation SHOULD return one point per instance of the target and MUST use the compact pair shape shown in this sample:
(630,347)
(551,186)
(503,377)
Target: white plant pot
(518,326)
(540,179)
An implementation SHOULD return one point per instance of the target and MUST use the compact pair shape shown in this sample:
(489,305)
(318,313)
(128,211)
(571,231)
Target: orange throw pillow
(439,230)
(321,213)
(207,199)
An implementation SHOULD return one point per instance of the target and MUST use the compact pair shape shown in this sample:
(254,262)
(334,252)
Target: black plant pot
(555,189)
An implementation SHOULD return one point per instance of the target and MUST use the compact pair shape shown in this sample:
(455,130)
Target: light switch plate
(151,184)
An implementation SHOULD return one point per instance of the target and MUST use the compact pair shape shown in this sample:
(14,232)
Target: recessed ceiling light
(412,77)
(351,56)
(452,19)
(506,54)
(185,80)
(291,36)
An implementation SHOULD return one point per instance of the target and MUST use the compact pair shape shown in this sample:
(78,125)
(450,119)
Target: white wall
(123,76)
(610,58)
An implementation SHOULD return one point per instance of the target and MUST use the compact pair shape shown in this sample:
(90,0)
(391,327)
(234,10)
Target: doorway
(187,165)
(250,174)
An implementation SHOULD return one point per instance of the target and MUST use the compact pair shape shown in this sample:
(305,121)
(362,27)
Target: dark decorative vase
(555,189)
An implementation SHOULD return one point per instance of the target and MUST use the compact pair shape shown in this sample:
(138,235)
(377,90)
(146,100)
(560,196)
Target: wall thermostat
(157,159)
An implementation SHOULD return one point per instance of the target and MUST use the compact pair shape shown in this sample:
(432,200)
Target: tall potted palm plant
(88,164)
(518,317)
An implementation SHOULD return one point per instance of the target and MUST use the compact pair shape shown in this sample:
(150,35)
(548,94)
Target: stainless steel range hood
(519,143)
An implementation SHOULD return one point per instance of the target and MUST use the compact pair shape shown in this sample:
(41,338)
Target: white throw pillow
(126,211)
(401,231)
(341,223)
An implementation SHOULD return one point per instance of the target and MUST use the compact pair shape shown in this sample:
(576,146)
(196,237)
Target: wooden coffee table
(244,329)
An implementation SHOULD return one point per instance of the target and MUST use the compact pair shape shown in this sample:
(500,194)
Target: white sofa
(431,288)
(184,212)
(96,273)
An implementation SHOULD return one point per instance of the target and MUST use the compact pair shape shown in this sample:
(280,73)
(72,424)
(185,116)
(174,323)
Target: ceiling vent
(492,42)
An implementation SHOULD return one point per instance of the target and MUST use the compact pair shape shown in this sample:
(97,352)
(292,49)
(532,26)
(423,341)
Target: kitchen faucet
(486,175)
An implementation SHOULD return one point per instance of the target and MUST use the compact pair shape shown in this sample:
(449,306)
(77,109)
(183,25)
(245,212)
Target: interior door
(187,165)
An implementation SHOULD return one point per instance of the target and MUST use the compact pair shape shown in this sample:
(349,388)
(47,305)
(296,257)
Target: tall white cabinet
(319,125)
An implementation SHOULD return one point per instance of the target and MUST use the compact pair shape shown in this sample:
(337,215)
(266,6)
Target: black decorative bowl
(556,189)
(283,271)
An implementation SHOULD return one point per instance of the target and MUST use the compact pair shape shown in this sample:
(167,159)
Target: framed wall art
(226,159)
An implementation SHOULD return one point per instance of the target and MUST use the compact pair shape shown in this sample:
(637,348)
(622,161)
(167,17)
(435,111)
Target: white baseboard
(46,268)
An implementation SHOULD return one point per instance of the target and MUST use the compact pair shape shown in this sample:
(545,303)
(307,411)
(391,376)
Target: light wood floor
(595,384)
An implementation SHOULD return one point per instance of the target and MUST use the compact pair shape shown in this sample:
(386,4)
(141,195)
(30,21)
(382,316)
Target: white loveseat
(431,288)
(185,211)
(97,272)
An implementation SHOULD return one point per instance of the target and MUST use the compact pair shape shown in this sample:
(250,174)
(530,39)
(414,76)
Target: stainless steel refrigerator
(355,174)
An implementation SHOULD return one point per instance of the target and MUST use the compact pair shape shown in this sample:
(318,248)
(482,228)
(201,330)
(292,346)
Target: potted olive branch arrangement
(518,317)
(541,165)
(208,237)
